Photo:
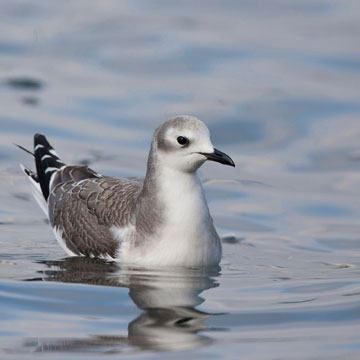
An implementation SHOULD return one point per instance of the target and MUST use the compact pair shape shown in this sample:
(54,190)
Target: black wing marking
(47,162)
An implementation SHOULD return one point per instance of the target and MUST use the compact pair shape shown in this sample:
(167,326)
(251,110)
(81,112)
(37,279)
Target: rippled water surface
(277,82)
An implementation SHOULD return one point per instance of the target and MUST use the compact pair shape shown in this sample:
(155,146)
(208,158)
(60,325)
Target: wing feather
(83,206)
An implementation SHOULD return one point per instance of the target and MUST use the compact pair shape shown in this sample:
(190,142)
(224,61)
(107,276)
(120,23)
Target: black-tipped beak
(220,157)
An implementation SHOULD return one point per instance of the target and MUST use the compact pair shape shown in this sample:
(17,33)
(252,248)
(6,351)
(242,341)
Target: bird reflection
(168,300)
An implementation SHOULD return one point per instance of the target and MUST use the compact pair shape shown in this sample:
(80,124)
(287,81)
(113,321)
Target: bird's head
(183,143)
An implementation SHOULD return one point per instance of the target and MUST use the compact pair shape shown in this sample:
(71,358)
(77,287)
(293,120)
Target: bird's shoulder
(110,200)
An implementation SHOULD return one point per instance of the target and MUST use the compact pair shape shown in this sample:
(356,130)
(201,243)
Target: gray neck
(149,211)
(164,191)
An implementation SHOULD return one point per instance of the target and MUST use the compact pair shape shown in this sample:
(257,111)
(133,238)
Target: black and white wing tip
(47,162)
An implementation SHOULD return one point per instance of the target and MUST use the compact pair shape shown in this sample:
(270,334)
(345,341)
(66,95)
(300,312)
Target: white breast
(186,237)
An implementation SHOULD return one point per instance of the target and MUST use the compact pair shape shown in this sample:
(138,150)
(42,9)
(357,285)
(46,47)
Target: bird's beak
(219,156)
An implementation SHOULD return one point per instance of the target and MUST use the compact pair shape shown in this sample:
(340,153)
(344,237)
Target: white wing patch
(37,193)
(60,240)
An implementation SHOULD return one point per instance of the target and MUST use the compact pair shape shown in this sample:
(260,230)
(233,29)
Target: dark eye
(182,140)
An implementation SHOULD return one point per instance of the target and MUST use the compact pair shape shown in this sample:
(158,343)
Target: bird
(160,220)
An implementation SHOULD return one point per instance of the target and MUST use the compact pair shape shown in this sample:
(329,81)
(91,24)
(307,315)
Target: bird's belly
(171,247)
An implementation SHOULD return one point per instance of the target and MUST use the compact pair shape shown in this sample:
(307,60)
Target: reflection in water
(169,320)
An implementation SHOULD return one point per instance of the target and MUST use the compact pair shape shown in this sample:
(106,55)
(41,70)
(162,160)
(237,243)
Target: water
(277,82)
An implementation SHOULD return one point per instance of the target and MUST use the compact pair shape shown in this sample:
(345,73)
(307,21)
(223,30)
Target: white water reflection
(168,301)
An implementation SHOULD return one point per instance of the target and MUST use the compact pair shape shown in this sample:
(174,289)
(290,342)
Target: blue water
(277,83)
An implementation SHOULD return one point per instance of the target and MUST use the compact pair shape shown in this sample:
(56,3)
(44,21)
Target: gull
(161,220)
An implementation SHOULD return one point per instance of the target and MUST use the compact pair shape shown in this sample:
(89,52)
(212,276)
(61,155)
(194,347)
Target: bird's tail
(47,163)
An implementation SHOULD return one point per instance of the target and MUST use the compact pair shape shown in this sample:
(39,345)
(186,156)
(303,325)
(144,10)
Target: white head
(183,143)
